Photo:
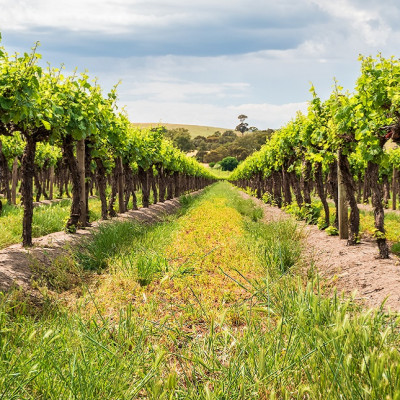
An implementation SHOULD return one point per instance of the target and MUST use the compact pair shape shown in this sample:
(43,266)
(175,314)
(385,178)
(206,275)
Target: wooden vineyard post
(51,191)
(394,188)
(343,217)
(121,200)
(14,181)
(80,155)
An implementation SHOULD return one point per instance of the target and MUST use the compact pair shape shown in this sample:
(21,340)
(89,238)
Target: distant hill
(195,130)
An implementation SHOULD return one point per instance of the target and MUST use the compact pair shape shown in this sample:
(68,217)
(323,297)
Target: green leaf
(5,103)
(46,124)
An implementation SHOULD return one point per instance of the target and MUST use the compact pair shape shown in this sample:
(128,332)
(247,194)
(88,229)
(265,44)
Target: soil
(351,269)
(16,261)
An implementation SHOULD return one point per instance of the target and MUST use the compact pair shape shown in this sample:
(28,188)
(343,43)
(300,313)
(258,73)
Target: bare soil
(16,261)
(352,269)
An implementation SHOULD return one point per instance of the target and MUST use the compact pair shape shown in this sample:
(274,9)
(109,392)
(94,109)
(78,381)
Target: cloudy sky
(205,61)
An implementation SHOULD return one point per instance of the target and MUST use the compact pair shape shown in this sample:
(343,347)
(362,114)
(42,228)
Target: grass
(367,221)
(219,173)
(46,218)
(224,315)
(392,224)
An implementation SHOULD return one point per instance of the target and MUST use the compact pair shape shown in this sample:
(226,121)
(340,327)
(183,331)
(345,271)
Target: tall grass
(46,219)
(128,243)
(284,340)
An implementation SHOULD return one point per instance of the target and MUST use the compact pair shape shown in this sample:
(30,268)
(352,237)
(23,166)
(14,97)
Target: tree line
(219,145)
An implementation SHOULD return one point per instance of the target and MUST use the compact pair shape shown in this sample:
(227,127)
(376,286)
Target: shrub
(229,163)
(308,212)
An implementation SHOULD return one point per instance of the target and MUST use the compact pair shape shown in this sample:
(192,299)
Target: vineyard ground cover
(226,315)
(49,216)
(392,222)
(16,262)
(352,269)
(218,172)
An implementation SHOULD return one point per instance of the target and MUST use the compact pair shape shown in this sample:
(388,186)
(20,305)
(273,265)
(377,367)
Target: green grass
(219,173)
(116,240)
(392,224)
(225,314)
(46,218)
(367,221)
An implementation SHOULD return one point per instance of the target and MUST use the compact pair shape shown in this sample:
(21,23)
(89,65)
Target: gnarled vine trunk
(307,182)
(144,181)
(27,169)
(177,188)
(170,187)
(287,195)
(354,221)
(161,183)
(5,175)
(75,212)
(277,182)
(101,185)
(377,197)
(333,189)
(294,180)
(320,190)
(114,189)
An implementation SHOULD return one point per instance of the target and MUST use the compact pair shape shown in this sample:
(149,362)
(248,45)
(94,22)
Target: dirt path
(15,261)
(349,268)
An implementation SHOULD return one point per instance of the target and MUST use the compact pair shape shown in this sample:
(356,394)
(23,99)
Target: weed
(62,273)
(332,231)
(307,212)
(278,244)
(107,241)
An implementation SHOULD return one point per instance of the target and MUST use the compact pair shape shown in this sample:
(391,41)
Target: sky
(204,62)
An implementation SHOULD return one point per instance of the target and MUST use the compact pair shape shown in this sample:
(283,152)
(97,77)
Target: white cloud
(111,17)
(185,91)
(262,116)
(316,41)
(366,22)
(128,16)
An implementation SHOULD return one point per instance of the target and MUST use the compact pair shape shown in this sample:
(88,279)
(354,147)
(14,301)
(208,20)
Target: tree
(243,126)
(199,141)
(230,134)
(181,139)
(229,163)
(214,156)
(200,155)
(228,137)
